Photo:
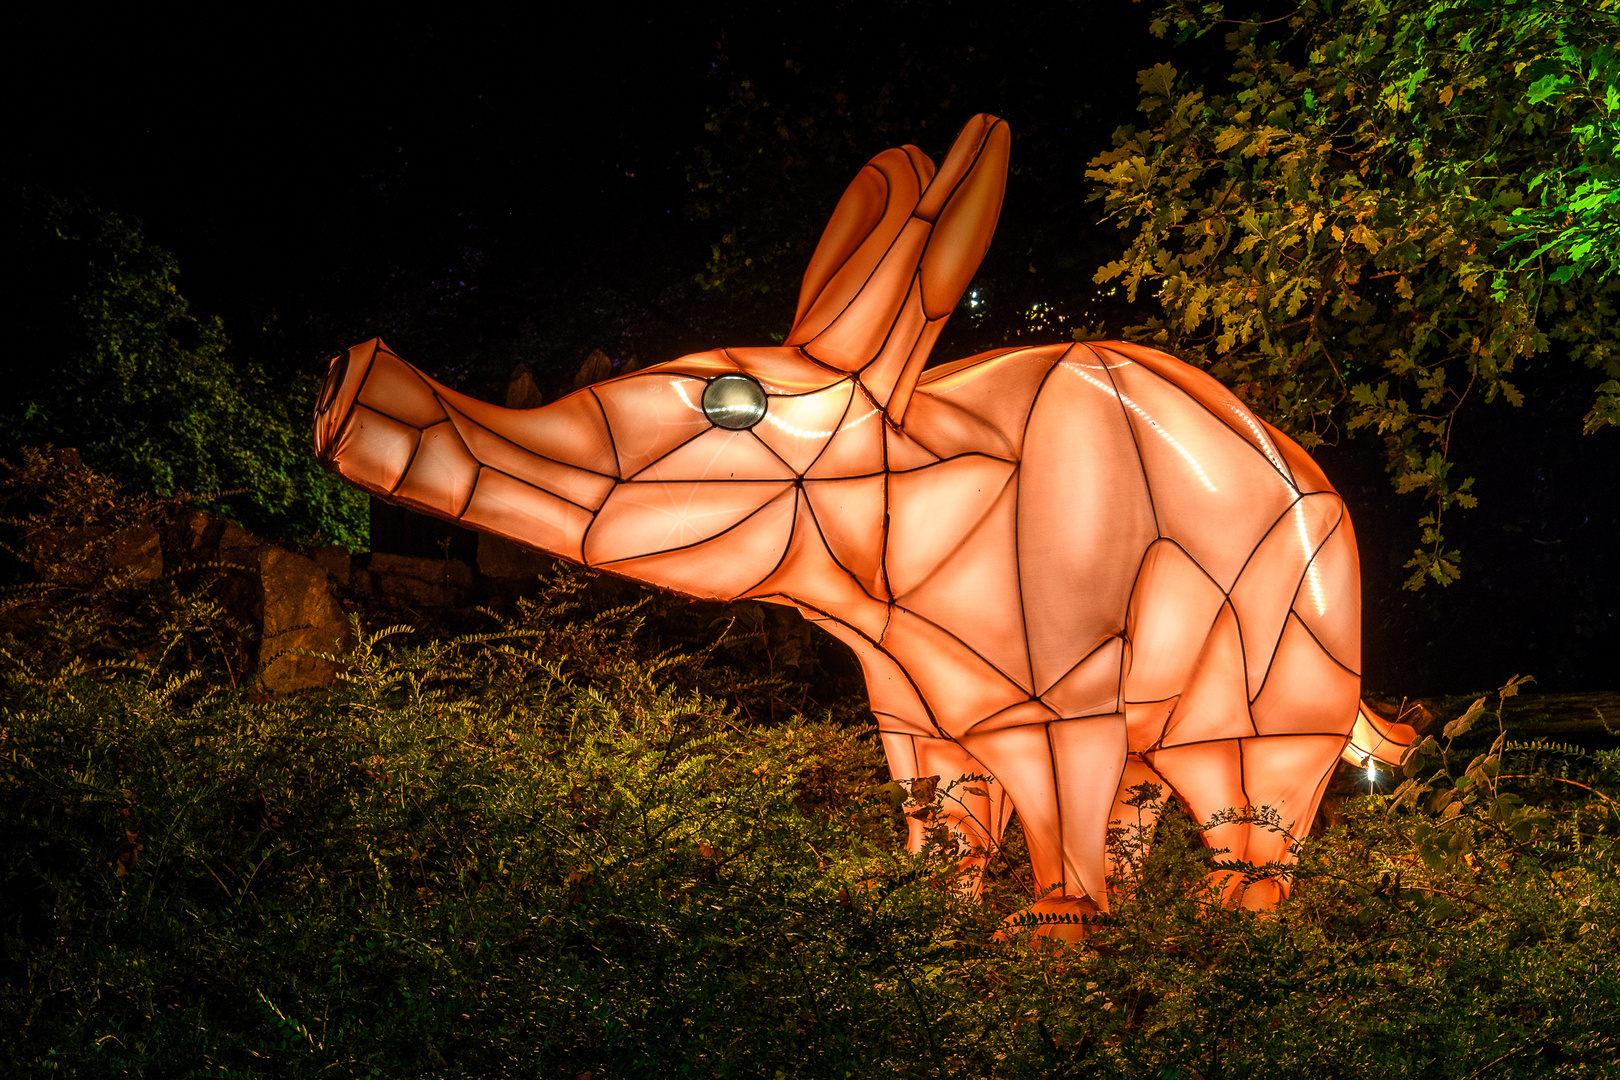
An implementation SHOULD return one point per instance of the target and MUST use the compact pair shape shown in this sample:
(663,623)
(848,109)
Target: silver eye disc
(734,401)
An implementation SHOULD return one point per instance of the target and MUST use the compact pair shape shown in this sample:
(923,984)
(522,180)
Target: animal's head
(691,474)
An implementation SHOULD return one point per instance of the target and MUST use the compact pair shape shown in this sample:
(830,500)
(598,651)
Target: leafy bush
(526,852)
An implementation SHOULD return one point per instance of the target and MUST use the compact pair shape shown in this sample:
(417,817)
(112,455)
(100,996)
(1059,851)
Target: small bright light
(1372,769)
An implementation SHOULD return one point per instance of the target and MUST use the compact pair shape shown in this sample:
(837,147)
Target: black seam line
(482,464)
(478,470)
(613,445)
(699,543)
(1072,668)
(1126,627)
(1015,481)
(1277,435)
(400,419)
(839,375)
(964,539)
(1241,739)
(875,266)
(659,460)
(1298,585)
(837,428)
(883,560)
(987,661)
(541,488)
(922,185)
(888,193)
(877,646)
(1130,429)
(860,392)
(978,154)
(1018,554)
(365,373)
(815,519)
(793,529)
(585,536)
(453,413)
(1057,801)
(1273,528)
(1325,652)
(914,289)
(1052,719)
(1155,701)
(409,461)
(1243,659)
(1219,419)
(934,374)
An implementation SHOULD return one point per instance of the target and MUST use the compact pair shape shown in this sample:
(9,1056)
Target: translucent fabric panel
(906,378)
(396,389)
(786,371)
(974,590)
(977,818)
(1287,774)
(1306,691)
(960,688)
(571,430)
(1199,386)
(1215,704)
(704,365)
(892,694)
(375,450)
(1209,778)
(948,431)
(1021,758)
(651,414)
(850,514)
(897,347)
(852,262)
(932,510)
(1090,758)
(581,486)
(719,454)
(859,331)
(965,223)
(856,449)
(809,576)
(1265,590)
(1138,820)
(1307,474)
(1334,615)
(904,453)
(1172,612)
(441,475)
(724,567)
(999,389)
(1212,492)
(1083,520)
(345,375)
(639,519)
(1091,686)
(1022,714)
(1145,722)
(510,508)
(799,427)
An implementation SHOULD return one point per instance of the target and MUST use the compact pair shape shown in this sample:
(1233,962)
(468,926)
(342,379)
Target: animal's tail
(1376,738)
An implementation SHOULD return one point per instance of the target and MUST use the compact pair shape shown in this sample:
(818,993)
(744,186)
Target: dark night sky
(483,190)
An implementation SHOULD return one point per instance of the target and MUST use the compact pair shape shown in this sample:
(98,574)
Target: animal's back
(1169,546)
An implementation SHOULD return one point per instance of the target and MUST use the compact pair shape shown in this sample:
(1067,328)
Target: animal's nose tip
(332,404)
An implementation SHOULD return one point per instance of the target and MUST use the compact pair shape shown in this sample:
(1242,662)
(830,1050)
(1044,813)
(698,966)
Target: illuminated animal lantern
(1075,567)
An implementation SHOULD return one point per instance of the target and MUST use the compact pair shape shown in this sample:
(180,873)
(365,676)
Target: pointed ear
(896,257)
(875,207)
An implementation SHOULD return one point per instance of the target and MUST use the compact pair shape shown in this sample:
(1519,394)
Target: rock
(300,612)
(428,582)
(335,561)
(508,560)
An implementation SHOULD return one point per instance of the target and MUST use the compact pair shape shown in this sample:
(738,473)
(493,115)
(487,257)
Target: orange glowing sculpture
(1074,567)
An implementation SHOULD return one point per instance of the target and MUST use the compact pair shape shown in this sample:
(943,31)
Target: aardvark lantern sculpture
(1075,568)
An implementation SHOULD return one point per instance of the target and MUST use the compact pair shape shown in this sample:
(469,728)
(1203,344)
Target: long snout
(536,476)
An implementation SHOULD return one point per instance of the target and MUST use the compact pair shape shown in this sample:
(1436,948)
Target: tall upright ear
(901,247)
(875,208)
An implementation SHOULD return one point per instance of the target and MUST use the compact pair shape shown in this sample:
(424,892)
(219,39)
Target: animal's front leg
(1063,778)
(973,804)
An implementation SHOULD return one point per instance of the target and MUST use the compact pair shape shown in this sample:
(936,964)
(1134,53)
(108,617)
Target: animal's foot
(1058,917)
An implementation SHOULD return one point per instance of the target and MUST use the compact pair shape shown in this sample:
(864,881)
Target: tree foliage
(109,358)
(1396,209)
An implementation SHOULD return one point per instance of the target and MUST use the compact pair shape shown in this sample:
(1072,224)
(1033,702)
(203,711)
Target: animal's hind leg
(1284,772)
(973,804)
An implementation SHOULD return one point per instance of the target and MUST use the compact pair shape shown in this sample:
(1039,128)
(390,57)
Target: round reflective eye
(734,401)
